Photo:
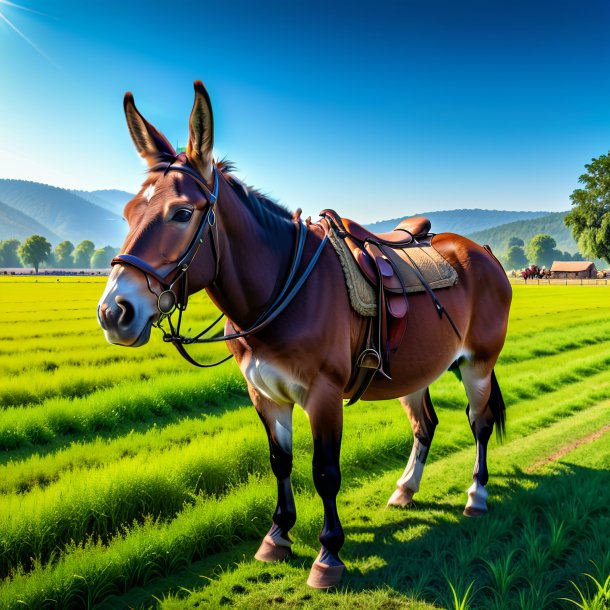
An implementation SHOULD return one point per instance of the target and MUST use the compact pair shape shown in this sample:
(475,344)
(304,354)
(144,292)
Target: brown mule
(194,226)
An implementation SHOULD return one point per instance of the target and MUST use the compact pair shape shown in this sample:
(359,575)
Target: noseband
(168,301)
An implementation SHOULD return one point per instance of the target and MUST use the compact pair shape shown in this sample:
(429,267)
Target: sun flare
(6,20)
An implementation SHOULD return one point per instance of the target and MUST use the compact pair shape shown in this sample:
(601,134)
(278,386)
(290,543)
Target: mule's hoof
(401,498)
(269,551)
(470,511)
(323,576)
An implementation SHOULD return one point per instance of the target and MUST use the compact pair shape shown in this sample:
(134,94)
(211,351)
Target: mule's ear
(201,132)
(150,143)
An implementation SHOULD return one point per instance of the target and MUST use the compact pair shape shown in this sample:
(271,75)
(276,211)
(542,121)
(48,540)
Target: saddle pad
(437,272)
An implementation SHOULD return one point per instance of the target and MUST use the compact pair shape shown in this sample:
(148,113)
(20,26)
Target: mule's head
(164,218)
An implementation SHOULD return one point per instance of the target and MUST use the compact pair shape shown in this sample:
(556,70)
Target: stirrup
(369,359)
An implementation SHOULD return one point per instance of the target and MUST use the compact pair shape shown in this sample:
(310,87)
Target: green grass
(129,479)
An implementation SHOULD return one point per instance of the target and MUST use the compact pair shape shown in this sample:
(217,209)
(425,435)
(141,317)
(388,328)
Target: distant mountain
(464,221)
(15,225)
(64,213)
(497,237)
(110,199)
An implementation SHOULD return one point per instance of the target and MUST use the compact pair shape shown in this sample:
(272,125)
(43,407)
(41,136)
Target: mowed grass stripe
(35,387)
(115,408)
(156,549)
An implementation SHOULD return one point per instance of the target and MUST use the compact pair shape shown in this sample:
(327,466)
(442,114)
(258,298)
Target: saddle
(388,262)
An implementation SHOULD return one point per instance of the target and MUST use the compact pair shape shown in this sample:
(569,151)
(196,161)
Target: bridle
(168,301)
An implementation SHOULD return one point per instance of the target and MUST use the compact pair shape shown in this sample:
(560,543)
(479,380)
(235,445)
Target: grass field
(130,479)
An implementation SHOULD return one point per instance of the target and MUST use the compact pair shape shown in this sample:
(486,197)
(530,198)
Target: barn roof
(571,266)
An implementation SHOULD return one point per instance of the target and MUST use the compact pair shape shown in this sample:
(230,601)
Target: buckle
(166,302)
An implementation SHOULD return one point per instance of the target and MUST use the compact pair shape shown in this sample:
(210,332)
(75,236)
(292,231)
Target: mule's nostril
(128,313)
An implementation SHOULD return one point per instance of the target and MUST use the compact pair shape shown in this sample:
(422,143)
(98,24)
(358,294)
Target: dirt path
(568,448)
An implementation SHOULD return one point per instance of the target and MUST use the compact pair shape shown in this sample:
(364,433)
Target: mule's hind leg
(277,420)
(485,407)
(422,416)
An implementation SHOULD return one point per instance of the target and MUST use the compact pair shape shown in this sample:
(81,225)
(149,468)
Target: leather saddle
(384,261)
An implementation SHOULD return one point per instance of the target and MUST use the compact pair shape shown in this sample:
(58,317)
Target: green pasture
(130,479)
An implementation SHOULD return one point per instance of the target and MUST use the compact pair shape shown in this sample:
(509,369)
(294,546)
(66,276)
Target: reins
(168,301)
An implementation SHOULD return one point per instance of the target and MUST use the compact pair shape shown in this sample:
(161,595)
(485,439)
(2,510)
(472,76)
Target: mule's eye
(182,215)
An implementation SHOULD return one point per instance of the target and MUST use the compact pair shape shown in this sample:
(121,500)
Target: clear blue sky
(376,109)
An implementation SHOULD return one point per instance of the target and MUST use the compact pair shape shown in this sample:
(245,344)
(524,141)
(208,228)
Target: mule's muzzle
(126,310)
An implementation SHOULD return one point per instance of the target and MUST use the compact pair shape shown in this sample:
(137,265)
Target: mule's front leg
(325,410)
(277,420)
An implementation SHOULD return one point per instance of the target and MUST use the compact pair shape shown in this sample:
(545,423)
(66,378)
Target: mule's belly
(407,379)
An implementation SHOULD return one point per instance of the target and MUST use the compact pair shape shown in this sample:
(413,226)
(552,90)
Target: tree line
(589,221)
(36,250)
(541,251)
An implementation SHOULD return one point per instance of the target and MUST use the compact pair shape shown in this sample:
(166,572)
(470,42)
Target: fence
(561,282)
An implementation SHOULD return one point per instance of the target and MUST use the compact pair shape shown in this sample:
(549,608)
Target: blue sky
(376,109)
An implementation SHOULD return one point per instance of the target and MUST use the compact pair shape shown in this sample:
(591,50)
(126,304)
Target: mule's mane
(268,213)
(260,204)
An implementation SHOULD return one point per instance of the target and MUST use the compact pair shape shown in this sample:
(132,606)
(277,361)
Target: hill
(110,199)
(464,221)
(14,224)
(63,213)
(497,237)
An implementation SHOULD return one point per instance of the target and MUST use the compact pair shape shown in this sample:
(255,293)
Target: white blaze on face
(149,192)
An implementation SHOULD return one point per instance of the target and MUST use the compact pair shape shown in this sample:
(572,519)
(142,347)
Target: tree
(515,258)
(541,250)
(82,254)
(589,219)
(515,241)
(9,256)
(102,256)
(63,254)
(34,250)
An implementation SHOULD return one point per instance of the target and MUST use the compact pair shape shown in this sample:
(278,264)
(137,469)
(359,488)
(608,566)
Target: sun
(6,20)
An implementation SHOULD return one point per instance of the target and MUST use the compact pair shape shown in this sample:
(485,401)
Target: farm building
(573,269)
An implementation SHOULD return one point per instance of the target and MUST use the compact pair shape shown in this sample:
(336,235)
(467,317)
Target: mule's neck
(254,246)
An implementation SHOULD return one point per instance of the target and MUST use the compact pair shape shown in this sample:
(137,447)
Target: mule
(194,226)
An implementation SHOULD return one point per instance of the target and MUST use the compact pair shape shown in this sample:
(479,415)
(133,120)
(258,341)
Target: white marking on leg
(283,435)
(477,497)
(411,477)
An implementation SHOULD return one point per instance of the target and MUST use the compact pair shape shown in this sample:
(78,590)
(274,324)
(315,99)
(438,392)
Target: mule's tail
(498,408)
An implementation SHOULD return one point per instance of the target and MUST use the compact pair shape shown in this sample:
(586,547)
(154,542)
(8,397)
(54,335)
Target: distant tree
(9,256)
(515,241)
(541,250)
(102,256)
(34,250)
(515,258)
(577,256)
(589,219)
(82,254)
(63,254)
(50,262)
